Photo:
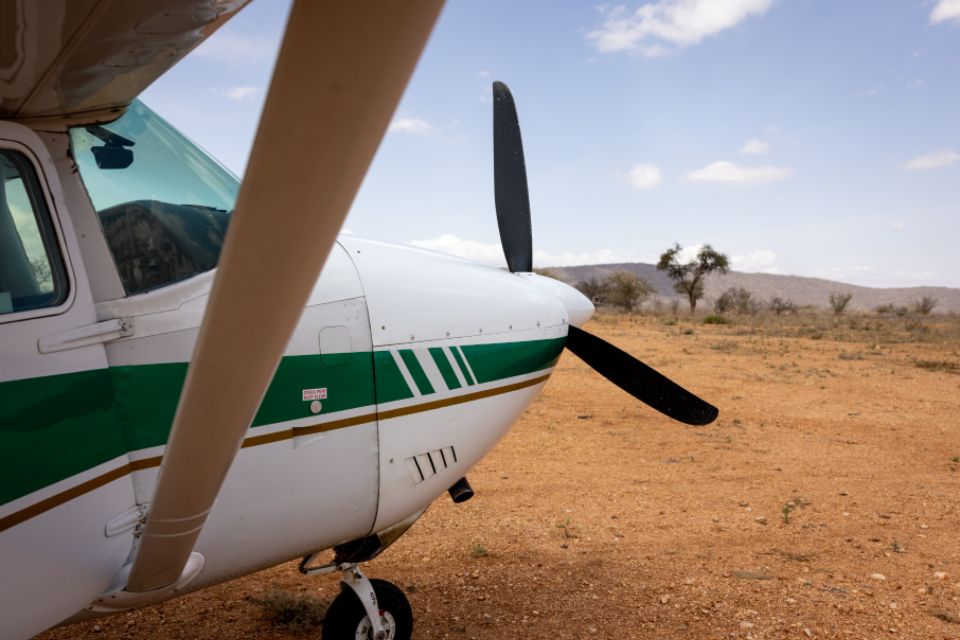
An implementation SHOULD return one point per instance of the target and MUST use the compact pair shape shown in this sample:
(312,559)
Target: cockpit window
(164,203)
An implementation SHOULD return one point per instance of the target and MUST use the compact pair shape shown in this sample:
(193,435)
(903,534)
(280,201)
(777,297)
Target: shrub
(594,289)
(839,301)
(925,305)
(782,305)
(715,319)
(735,299)
(627,290)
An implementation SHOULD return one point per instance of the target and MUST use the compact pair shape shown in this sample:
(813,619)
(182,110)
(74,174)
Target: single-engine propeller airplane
(180,405)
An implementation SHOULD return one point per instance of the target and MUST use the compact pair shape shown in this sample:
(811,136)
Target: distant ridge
(764,286)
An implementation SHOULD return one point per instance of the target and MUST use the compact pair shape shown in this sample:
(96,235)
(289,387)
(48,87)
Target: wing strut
(342,69)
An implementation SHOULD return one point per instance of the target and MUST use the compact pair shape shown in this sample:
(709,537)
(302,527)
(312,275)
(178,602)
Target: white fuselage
(420,363)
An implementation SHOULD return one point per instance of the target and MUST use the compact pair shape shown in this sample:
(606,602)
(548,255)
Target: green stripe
(55,427)
(498,361)
(391,385)
(419,377)
(440,358)
(463,368)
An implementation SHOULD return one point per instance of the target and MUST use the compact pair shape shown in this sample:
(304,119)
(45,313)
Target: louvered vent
(427,465)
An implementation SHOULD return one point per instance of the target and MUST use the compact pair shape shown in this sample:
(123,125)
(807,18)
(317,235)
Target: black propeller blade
(510,182)
(639,380)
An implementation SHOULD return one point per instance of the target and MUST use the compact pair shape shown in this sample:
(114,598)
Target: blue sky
(806,137)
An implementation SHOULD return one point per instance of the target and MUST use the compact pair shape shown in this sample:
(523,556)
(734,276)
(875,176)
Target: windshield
(163,202)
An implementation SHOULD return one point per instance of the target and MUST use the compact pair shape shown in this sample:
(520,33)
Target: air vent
(427,465)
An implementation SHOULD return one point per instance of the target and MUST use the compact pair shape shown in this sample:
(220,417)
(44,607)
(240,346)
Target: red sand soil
(822,503)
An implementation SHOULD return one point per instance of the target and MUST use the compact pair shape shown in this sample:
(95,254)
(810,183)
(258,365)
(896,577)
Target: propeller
(513,217)
(341,71)
(510,183)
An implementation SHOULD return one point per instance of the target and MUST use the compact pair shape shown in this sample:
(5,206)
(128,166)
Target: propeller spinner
(516,236)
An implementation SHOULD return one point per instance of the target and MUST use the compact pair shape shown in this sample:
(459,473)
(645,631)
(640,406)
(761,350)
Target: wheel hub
(365,628)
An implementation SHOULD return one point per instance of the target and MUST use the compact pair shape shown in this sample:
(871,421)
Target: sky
(805,137)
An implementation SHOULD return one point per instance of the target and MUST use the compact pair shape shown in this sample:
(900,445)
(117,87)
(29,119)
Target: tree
(626,289)
(688,278)
(839,301)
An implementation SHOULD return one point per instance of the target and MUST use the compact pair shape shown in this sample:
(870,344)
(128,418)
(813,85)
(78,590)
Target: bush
(925,305)
(782,305)
(839,301)
(715,319)
(735,299)
(594,289)
(627,290)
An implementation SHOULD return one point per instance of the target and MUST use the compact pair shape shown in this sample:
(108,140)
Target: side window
(31,270)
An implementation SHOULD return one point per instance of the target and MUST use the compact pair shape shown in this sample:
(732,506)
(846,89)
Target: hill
(764,286)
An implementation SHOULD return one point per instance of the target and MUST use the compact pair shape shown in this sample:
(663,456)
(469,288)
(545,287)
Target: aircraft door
(63,464)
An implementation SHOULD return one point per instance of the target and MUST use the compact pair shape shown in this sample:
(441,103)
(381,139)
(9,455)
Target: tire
(346,618)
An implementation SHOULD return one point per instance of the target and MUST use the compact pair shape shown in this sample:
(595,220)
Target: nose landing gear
(368,610)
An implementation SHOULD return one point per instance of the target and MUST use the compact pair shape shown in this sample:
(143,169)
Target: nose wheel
(349,617)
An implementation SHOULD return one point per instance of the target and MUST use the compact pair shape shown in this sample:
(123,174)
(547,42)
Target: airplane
(179,405)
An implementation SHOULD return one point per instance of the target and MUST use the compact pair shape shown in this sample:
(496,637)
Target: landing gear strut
(365,609)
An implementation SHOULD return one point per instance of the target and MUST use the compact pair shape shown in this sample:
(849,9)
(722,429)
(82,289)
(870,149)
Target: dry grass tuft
(299,613)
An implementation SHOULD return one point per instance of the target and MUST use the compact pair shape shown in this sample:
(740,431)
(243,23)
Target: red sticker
(315,394)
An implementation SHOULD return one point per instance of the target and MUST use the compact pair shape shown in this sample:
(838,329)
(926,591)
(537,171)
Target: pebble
(97,629)
(664,599)
(746,625)
(593,629)
(808,632)
(940,575)
(878,576)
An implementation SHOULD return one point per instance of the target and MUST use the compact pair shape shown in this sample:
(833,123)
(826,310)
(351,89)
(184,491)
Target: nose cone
(579,308)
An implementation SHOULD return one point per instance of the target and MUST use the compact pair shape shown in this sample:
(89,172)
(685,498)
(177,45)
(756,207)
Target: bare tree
(688,278)
(839,301)
(627,290)
(925,305)
(42,273)
(594,289)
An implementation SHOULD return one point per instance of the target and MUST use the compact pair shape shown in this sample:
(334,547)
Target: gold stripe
(149,463)
(470,397)
(55,501)
(146,463)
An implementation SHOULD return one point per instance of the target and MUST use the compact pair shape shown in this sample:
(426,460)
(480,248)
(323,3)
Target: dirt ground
(822,503)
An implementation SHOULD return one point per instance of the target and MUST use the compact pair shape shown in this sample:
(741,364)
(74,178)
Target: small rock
(808,632)
(593,629)
(746,625)
(97,629)
(536,613)
(893,605)
(683,627)
(762,520)
(940,575)
(474,575)
(923,526)
(878,576)
(486,615)
(922,591)
(791,601)
(664,599)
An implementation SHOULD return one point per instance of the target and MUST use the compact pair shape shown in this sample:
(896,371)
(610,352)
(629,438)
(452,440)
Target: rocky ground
(822,503)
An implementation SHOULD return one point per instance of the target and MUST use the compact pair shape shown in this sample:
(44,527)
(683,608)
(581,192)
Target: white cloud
(731,173)
(233,48)
(243,93)
(679,23)
(869,92)
(942,158)
(767,130)
(757,260)
(896,225)
(492,254)
(689,254)
(946,10)
(410,125)
(484,74)
(756,146)
(644,176)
